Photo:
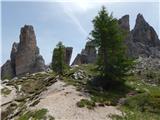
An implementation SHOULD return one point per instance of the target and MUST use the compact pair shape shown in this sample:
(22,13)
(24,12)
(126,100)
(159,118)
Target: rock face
(80,59)
(7,71)
(88,55)
(68,54)
(124,23)
(25,57)
(143,40)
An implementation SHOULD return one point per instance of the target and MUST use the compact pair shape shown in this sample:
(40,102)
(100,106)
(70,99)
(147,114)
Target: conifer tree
(58,64)
(113,64)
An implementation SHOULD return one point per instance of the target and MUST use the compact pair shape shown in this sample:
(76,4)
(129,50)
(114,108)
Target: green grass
(86,103)
(40,114)
(35,115)
(150,76)
(97,95)
(135,115)
(7,76)
(145,105)
(25,116)
(5,91)
(109,96)
(31,86)
(89,69)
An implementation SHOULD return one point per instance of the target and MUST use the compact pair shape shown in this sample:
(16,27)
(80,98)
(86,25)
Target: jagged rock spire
(143,40)
(25,57)
(124,22)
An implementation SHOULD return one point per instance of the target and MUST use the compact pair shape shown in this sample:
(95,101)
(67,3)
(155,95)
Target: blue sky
(69,22)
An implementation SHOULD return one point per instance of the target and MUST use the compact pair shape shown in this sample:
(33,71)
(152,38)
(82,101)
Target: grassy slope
(31,87)
(142,100)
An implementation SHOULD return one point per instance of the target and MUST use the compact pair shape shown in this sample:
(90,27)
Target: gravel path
(60,100)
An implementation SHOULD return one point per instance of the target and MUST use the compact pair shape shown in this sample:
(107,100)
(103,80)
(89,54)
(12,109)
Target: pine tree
(112,62)
(58,64)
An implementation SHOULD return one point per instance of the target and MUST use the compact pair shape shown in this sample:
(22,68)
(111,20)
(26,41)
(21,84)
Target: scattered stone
(15,78)
(122,101)
(35,102)
(5,81)
(80,74)
(19,88)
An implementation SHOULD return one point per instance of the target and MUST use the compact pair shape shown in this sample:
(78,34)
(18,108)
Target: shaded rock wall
(68,55)
(88,55)
(7,72)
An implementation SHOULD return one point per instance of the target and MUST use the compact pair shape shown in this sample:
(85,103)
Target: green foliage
(58,63)
(35,115)
(40,114)
(153,76)
(26,116)
(109,39)
(7,76)
(98,95)
(110,96)
(86,103)
(135,115)
(145,105)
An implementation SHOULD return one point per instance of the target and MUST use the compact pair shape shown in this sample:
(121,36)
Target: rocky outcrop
(88,55)
(68,54)
(124,23)
(7,71)
(25,57)
(80,59)
(13,56)
(143,40)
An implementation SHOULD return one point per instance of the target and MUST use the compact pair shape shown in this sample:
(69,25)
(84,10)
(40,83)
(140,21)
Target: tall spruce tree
(113,64)
(58,64)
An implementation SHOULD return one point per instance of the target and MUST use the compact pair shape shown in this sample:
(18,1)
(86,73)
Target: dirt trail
(60,100)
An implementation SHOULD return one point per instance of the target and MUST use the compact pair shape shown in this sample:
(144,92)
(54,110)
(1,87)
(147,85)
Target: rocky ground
(47,96)
(24,97)
(20,94)
(60,100)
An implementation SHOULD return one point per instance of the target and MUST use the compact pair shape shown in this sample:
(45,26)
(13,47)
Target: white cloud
(69,11)
(74,7)
(83,5)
